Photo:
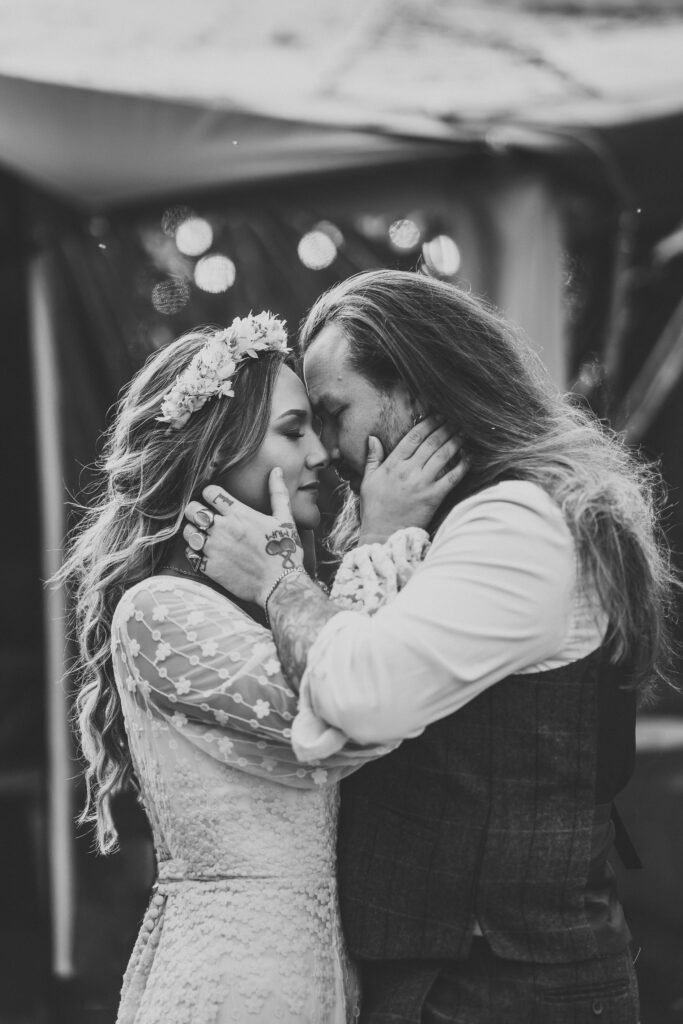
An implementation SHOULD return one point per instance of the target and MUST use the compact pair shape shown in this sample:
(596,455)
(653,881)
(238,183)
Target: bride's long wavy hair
(461,359)
(146,475)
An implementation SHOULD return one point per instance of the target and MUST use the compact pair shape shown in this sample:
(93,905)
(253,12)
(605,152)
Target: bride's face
(291,443)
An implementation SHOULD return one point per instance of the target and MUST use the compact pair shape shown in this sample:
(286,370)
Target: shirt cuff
(313,739)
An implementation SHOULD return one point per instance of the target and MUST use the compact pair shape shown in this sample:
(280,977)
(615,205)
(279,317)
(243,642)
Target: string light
(404,234)
(331,230)
(215,274)
(171,295)
(173,217)
(194,236)
(372,225)
(316,250)
(442,256)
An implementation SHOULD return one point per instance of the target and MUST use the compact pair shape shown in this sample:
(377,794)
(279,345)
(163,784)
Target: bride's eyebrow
(300,414)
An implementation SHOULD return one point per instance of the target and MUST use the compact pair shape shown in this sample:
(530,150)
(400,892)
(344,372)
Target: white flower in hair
(212,369)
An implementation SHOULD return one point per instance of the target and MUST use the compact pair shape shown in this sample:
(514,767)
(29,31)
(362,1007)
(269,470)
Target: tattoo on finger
(196,560)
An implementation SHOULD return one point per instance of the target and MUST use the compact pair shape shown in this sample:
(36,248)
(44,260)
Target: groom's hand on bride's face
(243,550)
(407,487)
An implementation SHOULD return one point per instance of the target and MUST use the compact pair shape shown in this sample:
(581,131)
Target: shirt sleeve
(368,578)
(492,597)
(195,663)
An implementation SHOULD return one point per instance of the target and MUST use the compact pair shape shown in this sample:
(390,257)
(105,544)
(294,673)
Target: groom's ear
(402,397)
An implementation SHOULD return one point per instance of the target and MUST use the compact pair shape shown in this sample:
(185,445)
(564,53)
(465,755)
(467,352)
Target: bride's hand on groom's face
(245,551)
(407,487)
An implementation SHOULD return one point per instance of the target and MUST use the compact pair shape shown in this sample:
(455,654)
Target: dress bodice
(208,716)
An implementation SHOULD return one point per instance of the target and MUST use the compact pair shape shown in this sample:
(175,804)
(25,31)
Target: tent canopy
(109,104)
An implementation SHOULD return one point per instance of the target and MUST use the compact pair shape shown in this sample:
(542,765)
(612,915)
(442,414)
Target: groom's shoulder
(507,503)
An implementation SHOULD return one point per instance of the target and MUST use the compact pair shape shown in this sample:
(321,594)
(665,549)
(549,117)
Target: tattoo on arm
(298,610)
(283,542)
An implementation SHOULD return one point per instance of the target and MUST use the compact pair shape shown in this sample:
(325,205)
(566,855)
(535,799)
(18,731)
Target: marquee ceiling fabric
(98,148)
(114,103)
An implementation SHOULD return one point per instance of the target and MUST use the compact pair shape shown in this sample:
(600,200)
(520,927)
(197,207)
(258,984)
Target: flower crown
(212,369)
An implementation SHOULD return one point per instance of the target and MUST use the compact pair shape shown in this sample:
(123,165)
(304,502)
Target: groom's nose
(329,440)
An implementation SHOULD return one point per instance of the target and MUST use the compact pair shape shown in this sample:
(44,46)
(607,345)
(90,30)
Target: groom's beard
(389,430)
(391,427)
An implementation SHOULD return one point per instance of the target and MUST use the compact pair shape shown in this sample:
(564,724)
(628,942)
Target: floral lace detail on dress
(201,669)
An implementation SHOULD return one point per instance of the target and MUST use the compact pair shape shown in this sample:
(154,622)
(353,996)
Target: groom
(474,882)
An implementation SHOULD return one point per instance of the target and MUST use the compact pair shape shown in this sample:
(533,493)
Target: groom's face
(349,407)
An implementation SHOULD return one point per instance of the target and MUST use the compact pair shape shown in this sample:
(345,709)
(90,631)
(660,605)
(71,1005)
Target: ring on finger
(196,561)
(204,518)
(196,540)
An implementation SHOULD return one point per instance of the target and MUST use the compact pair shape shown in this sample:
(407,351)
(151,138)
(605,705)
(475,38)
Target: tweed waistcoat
(488,816)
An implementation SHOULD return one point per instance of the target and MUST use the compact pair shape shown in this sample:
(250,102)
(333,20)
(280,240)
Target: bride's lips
(314,486)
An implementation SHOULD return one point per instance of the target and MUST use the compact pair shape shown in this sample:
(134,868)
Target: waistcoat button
(598,1007)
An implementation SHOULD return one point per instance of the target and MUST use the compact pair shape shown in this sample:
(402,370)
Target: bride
(183,696)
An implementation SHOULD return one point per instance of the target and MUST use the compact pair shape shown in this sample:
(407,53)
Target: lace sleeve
(196,663)
(372,575)
(368,578)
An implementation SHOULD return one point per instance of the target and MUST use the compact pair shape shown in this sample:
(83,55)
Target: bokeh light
(331,230)
(317,250)
(215,274)
(194,236)
(372,225)
(171,295)
(404,234)
(158,334)
(442,256)
(98,226)
(173,217)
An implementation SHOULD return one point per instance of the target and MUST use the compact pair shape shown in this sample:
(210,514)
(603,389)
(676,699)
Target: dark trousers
(487,990)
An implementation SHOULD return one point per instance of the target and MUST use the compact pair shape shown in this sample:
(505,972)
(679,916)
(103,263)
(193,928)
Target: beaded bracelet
(278,581)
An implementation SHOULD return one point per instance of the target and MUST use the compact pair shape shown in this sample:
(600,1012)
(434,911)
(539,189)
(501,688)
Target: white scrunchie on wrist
(373,574)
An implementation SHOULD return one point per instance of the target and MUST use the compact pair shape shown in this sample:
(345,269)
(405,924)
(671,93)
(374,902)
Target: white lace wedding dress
(243,924)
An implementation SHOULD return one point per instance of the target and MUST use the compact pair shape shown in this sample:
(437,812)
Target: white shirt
(498,593)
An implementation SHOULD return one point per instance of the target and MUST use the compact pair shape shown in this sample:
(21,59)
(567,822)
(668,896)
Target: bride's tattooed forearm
(298,610)
(283,542)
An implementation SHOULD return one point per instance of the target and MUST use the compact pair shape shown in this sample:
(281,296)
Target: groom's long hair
(461,359)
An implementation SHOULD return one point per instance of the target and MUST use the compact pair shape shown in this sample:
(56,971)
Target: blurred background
(166,165)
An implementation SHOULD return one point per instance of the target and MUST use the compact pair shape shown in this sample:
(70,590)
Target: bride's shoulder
(155,596)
